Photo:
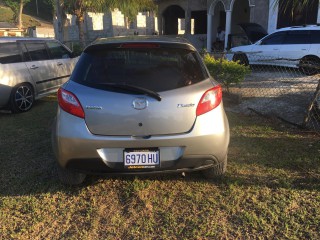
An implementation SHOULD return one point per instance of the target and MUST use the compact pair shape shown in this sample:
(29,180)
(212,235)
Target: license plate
(141,158)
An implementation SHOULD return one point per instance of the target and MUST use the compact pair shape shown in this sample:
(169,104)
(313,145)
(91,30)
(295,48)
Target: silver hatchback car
(140,105)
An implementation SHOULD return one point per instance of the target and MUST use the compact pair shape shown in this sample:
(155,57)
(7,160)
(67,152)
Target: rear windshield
(158,69)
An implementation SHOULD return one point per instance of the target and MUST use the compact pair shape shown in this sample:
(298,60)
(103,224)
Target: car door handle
(304,49)
(59,63)
(34,67)
(276,49)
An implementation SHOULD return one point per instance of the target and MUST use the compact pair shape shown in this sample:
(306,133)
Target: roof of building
(7,25)
(13,39)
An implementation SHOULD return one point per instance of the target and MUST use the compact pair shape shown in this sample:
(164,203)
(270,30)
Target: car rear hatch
(140,90)
(253,31)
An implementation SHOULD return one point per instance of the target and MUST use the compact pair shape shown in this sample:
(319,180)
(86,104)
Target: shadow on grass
(45,180)
(258,157)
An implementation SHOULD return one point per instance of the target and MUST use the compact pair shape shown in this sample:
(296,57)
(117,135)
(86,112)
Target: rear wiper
(135,89)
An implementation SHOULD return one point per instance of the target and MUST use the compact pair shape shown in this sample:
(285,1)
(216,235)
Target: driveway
(280,92)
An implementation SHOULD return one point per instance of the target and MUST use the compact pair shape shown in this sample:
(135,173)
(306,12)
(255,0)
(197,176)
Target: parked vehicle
(31,68)
(140,105)
(297,47)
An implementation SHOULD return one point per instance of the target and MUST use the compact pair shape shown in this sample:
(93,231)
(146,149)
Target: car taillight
(70,103)
(209,100)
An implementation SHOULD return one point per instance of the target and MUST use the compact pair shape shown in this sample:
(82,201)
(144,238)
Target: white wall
(108,25)
(273,16)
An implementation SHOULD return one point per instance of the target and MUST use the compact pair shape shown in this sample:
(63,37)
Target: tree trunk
(20,15)
(80,25)
(188,19)
(60,21)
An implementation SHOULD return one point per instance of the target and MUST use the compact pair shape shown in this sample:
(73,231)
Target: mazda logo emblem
(140,103)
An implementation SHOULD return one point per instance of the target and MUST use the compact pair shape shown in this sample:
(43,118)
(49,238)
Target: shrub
(77,49)
(226,72)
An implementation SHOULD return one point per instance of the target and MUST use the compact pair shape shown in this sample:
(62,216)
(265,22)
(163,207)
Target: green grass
(6,15)
(271,189)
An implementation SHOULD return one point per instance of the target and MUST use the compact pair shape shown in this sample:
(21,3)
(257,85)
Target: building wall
(261,13)
(195,5)
(108,25)
(10,33)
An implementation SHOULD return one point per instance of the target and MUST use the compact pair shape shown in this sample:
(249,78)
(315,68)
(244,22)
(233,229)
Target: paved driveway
(279,92)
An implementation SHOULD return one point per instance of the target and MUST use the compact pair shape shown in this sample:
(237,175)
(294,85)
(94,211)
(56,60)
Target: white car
(31,68)
(297,47)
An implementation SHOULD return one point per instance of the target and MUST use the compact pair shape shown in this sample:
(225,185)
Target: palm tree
(295,8)
(130,8)
(289,5)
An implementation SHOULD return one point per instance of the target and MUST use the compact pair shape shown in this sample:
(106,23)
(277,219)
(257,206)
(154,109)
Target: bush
(77,49)
(226,72)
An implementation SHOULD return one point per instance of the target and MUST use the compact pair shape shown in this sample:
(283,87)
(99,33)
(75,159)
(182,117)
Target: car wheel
(241,58)
(22,98)
(69,177)
(217,170)
(309,65)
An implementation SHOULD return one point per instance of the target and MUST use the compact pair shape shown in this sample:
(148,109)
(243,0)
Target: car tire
(69,177)
(216,171)
(313,65)
(22,98)
(241,58)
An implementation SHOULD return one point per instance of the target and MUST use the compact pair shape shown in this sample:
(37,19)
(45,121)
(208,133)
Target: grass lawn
(271,189)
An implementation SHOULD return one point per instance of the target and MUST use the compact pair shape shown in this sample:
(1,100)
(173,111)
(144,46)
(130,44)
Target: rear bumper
(97,166)
(204,146)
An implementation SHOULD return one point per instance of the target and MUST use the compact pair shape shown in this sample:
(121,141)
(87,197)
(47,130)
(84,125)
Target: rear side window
(57,51)
(297,37)
(36,51)
(315,36)
(9,53)
(274,39)
(158,69)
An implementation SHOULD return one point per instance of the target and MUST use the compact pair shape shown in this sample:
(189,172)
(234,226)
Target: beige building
(9,30)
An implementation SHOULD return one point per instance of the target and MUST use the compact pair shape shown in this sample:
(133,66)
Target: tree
(17,7)
(60,18)
(297,10)
(290,5)
(130,8)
